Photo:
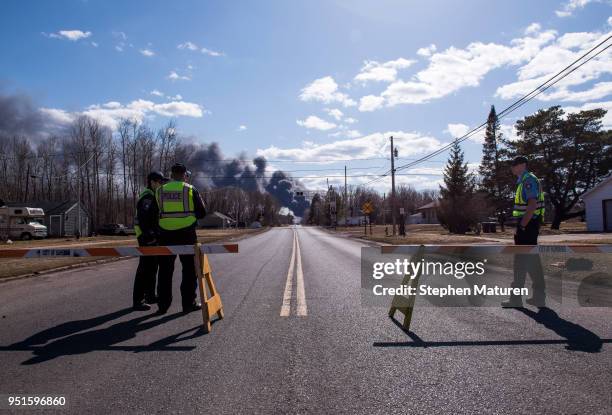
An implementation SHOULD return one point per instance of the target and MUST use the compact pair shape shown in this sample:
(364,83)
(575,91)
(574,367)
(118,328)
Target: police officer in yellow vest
(529,212)
(146,228)
(180,206)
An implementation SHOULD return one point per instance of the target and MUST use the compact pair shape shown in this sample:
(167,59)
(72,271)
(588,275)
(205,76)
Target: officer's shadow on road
(576,337)
(79,341)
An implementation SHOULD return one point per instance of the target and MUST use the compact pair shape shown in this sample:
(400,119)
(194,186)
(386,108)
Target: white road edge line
(302,310)
(286,307)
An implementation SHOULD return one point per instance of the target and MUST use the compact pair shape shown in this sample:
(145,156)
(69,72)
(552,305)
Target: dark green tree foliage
(495,180)
(568,152)
(454,210)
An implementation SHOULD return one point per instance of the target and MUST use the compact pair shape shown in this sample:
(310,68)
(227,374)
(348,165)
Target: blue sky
(305,81)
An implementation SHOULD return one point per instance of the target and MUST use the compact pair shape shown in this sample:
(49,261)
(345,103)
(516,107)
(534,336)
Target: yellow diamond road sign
(367,208)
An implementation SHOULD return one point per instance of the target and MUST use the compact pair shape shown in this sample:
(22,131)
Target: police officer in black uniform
(147,233)
(180,206)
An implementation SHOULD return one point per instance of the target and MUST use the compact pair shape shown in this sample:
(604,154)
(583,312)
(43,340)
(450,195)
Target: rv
(22,223)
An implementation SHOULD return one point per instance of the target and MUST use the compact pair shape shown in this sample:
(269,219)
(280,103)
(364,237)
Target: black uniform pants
(529,263)
(144,280)
(189,281)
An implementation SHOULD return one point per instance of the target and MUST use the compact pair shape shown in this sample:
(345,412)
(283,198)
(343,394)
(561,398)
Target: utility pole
(384,211)
(393,185)
(345,199)
(27,187)
(79,199)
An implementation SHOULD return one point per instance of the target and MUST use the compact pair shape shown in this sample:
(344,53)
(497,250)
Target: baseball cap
(178,168)
(519,160)
(157,176)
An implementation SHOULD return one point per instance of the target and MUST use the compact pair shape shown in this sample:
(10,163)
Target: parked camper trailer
(22,223)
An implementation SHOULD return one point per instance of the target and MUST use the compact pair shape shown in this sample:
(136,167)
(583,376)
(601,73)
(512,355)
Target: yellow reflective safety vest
(520,204)
(176,206)
(145,192)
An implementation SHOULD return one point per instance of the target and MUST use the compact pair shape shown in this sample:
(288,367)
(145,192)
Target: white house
(598,206)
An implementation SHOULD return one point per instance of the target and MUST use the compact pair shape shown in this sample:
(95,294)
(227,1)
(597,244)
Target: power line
(517,104)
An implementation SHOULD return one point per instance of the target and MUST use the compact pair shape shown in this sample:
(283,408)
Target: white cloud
(607,105)
(72,35)
(192,46)
(610,21)
(533,28)
(109,113)
(509,131)
(316,123)
(157,93)
(370,103)
(122,38)
(211,52)
(325,90)
(242,128)
(58,116)
(188,45)
(555,57)
(177,97)
(94,44)
(454,68)
(350,120)
(372,145)
(174,76)
(147,52)
(570,6)
(457,130)
(335,113)
(382,72)
(427,51)
(346,133)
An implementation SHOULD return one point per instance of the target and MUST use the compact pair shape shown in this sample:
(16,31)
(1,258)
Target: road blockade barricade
(211,304)
(405,304)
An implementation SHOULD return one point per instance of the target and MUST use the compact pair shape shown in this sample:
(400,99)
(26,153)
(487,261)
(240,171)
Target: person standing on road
(180,206)
(529,211)
(146,229)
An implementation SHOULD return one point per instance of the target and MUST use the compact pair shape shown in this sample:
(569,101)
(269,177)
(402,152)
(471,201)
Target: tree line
(109,169)
(323,206)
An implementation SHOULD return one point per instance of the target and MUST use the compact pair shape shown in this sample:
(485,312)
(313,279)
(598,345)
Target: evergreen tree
(495,177)
(455,211)
(570,153)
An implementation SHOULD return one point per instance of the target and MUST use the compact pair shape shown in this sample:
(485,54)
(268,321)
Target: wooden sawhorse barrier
(211,304)
(405,305)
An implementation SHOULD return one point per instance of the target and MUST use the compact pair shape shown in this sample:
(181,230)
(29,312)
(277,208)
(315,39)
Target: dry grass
(17,267)
(436,234)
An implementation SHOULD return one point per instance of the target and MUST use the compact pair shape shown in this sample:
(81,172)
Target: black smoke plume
(211,170)
(19,116)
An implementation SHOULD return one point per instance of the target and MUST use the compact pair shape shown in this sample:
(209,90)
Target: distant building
(428,212)
(61,217)
(598,206)
(415,219)
(217,220)
(353,220)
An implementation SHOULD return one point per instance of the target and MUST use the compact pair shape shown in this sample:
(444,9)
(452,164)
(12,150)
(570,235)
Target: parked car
(113,229)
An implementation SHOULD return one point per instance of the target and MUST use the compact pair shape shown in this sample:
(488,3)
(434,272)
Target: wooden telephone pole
(393,185)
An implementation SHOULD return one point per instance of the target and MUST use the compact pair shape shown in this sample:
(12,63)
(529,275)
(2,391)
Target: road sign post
(367,208)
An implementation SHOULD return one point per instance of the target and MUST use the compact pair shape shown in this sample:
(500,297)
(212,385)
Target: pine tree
(455,211)
(458,182)
(494,177)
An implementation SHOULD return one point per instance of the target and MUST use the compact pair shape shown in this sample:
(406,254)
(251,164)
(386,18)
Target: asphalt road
(307,346)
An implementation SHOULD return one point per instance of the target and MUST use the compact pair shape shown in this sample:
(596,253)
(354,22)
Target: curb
(62,268)
(107,260)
